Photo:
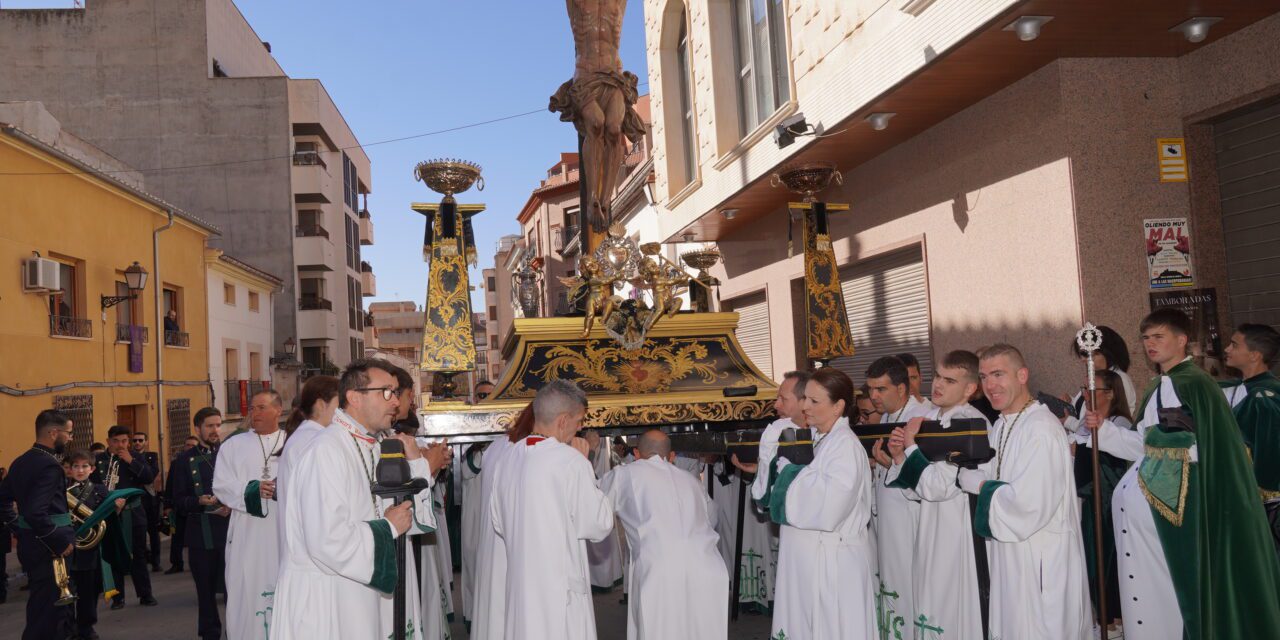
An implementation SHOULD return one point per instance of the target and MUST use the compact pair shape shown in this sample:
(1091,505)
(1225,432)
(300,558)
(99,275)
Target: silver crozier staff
(1089,339)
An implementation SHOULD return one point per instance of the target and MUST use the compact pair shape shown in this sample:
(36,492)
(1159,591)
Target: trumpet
(63,580)
(80,512)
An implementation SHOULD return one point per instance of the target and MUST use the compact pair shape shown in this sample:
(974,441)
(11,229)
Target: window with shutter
(753,329)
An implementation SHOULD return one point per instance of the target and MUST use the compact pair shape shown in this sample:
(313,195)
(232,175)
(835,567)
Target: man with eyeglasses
(244,479)
(339,573)
(121,468)
(150,499)
(483,389)
(38,486)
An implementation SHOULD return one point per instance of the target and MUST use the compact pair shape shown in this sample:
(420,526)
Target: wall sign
(1168,252)
(1172,155)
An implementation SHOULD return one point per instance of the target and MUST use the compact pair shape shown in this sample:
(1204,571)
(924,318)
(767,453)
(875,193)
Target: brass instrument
(79,512)
(113,473)
(63,580)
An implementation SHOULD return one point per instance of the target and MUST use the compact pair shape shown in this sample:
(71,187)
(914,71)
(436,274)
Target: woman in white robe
(316,405)
(825,590)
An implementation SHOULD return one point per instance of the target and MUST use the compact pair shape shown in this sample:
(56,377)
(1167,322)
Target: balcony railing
(123,333)
(364,213)
(234,398)
(307,158)
(365,267)
(328,369)
(177,339)
(70,327)
(314,303)
(310,230)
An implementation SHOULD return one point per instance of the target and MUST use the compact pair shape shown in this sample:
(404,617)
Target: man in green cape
(1191,536)
(1255,401)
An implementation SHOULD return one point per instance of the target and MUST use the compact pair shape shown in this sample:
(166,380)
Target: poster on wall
(1168,252)
(1201,305)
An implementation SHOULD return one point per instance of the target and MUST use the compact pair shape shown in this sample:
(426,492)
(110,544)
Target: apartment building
(1002,160)
(205,113)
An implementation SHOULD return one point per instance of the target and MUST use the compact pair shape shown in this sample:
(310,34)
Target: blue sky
(404,67)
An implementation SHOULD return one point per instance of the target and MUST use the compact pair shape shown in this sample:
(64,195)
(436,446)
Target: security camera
(785,133)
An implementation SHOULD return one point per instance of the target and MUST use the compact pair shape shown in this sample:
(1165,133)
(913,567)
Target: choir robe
(1224,578)
(339,574)
(472,520)
(768,448)
(758,564)
(605,557)
(825,586)
(253,543)
(545,507)
(490,607)
(299,440)
(678,584)
(945,579)
(894,516)
(1027,510)
(437,592)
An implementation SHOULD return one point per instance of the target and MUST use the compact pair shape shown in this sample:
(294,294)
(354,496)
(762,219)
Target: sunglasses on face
(387,392)
(139,440)
(482,394)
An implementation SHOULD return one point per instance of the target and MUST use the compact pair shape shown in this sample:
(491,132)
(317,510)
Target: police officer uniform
(205,532)
(38,484)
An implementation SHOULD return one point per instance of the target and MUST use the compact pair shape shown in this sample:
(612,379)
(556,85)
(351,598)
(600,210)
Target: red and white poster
(1168,252)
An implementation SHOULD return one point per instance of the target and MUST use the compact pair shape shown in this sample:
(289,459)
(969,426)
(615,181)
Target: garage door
(1248,148)
(888,304)
(753,329)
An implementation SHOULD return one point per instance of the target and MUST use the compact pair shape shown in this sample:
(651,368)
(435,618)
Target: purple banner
(136,336)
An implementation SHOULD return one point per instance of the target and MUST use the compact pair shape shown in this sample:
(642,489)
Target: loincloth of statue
(596,88)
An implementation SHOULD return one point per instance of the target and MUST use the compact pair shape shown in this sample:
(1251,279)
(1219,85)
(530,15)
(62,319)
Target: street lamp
(290,347)
(135,278)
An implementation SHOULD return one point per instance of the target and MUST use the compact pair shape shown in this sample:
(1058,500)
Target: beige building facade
(188,94)
(1008,197)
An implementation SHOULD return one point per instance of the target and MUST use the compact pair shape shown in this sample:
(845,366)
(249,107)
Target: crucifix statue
(599,100)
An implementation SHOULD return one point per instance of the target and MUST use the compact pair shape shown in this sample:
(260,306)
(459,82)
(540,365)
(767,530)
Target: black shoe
(117,604)
(148,601)
(172,570)
(155,568)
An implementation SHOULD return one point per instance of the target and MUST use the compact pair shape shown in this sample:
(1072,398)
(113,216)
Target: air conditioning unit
(41,275)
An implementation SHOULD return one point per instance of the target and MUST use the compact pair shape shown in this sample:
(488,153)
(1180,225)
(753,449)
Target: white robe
(605,557)
(895,517)
(324,589)
(472,520)
(825,587)
(758,563)
(293,448)
(437,600)
(490,608)
(1039,585)
(945,582)
(253,543)
(1148,601)
(546,506)
(678,584)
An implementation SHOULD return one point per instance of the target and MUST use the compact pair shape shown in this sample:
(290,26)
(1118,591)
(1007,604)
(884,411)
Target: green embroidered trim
(982,523)
(253,500)
(470,458)
(912,467)
(1164,475)
(384,557)
(778,493)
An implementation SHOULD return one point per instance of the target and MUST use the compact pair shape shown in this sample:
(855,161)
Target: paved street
(175,617)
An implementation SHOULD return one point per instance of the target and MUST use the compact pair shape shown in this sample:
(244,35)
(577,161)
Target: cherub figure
(665,285)
(600,298)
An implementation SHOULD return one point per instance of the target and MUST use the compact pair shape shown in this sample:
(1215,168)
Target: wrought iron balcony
(310,230)
(314,303)
(233,398)
(70,327)
(177,339)
(308,158)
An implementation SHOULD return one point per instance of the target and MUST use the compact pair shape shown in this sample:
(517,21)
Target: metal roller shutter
(753,329)
(888,304)
(1248,150)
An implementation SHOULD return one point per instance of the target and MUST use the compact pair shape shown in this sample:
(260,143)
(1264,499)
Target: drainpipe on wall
(159,295)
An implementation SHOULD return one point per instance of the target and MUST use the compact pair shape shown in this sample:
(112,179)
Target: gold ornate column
(448,341)
(826,321)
